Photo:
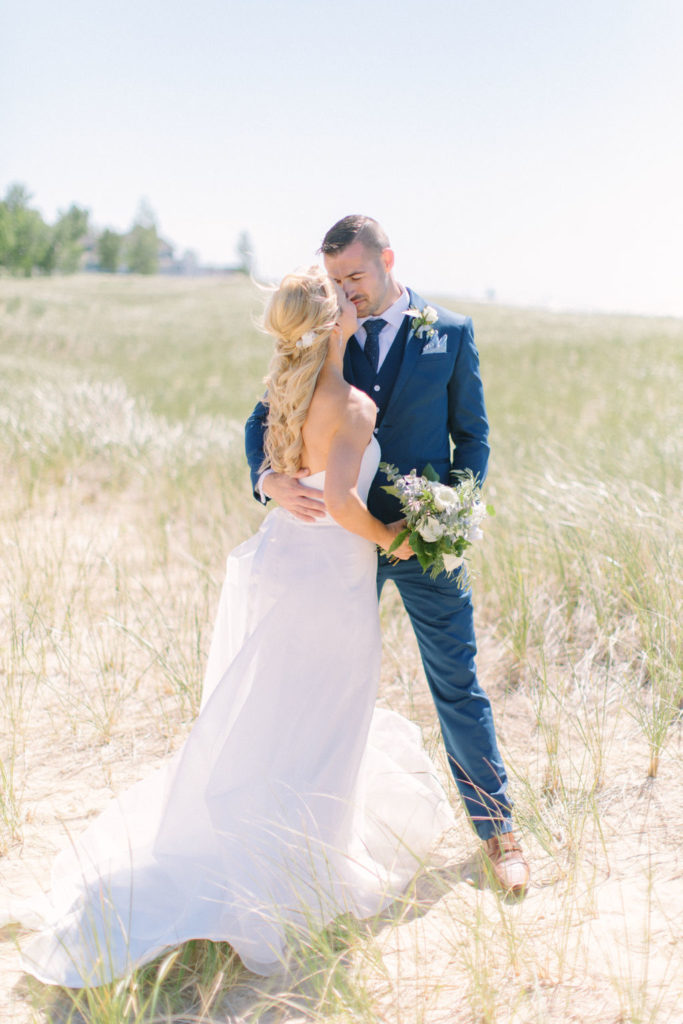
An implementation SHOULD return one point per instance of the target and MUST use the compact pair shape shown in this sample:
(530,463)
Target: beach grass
(123,486)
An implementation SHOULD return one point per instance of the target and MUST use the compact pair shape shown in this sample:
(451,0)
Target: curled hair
(301,315)
(354,228)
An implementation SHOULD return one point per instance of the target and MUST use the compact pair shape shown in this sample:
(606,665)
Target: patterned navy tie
(372,330)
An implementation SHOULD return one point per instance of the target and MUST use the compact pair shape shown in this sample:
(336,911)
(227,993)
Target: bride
(292,800)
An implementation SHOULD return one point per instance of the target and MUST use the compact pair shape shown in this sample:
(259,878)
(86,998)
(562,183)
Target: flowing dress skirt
(292,800)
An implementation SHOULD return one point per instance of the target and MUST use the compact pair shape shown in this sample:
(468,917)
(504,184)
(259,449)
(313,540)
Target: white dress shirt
(394,318)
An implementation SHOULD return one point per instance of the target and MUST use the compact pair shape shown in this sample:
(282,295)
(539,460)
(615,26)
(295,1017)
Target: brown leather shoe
(510,869)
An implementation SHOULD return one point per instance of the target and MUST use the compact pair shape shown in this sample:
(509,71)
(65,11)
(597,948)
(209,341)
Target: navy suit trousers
(441,615)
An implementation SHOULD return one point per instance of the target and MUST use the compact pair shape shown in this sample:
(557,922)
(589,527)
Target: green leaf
(417,543)
(398,540)
(424,555)
(425,561)
(430,473)
(389,471)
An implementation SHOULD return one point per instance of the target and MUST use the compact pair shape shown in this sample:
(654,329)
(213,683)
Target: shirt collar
(394,314)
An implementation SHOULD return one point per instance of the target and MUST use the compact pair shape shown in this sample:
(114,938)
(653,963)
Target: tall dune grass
(123,487)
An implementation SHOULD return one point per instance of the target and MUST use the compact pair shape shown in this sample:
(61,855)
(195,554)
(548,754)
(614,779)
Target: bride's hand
(303,502)
(404,552)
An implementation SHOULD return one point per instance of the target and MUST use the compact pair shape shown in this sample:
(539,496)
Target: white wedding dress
(292,799)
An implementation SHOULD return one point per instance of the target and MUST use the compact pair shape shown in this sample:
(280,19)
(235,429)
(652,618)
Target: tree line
(29,245)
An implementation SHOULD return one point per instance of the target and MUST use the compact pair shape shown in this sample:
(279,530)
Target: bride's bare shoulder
(337,401)
(339,411)
(363,400)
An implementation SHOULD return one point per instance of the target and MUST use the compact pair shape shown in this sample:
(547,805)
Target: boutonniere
(422,320)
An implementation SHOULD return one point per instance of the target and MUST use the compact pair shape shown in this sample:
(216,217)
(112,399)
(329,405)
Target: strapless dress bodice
(366,474)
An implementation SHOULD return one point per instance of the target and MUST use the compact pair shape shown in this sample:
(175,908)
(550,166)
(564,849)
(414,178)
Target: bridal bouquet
(441,521)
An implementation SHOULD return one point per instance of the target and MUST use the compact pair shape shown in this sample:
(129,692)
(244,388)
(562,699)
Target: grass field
(122,488)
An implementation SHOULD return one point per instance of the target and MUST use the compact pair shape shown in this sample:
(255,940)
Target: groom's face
(365,276)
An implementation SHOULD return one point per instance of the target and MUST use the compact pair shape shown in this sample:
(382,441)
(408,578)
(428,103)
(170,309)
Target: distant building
(89,258)
(186,265)
(167,264)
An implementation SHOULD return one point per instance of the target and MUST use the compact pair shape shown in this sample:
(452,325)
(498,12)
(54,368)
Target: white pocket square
(437,343)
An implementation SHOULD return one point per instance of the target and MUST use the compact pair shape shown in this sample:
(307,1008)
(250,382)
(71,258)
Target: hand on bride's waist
(304,503)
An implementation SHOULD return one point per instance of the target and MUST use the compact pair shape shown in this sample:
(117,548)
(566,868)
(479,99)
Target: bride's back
(334,400)
(330,403)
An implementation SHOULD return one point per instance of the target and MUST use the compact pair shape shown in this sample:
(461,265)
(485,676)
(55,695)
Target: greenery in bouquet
(441,521)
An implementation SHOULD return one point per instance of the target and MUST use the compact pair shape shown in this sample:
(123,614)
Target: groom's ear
(387,257)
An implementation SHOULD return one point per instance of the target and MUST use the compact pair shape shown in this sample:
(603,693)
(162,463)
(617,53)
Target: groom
(428,391)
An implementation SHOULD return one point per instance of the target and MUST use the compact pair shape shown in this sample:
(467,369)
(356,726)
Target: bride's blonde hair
(301,315)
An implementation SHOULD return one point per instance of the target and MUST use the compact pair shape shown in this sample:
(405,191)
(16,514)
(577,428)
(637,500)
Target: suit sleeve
(254,431)
(467,422)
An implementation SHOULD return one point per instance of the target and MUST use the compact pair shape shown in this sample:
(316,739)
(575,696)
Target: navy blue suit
(429,394)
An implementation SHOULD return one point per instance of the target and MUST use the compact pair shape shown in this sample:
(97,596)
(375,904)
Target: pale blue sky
(526,146)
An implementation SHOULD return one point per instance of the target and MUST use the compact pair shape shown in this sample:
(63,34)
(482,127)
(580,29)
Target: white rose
(430,315)
(451,562)
(444,497)
(431,529)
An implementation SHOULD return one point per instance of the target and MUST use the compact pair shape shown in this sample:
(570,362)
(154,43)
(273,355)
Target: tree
(109,251)
(142,243)
(68,236)
(25,238)
(245,251)
(6,234)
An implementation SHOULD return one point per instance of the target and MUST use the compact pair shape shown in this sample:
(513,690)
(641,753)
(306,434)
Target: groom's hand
(303,502)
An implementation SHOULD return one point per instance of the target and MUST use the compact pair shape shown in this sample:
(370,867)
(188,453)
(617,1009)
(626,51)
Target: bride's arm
(342,500)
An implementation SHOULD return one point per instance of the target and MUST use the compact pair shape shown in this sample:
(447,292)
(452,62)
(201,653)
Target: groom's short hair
(354,228)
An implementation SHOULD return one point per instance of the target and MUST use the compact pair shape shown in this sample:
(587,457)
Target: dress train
(292,800)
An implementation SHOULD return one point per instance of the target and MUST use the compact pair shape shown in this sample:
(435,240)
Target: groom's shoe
(508,866)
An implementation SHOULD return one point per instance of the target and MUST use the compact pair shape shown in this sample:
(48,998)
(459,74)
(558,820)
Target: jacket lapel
(411,354)
(349,355)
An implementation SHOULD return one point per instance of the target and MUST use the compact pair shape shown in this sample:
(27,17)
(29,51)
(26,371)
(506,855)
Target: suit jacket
(437,398)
